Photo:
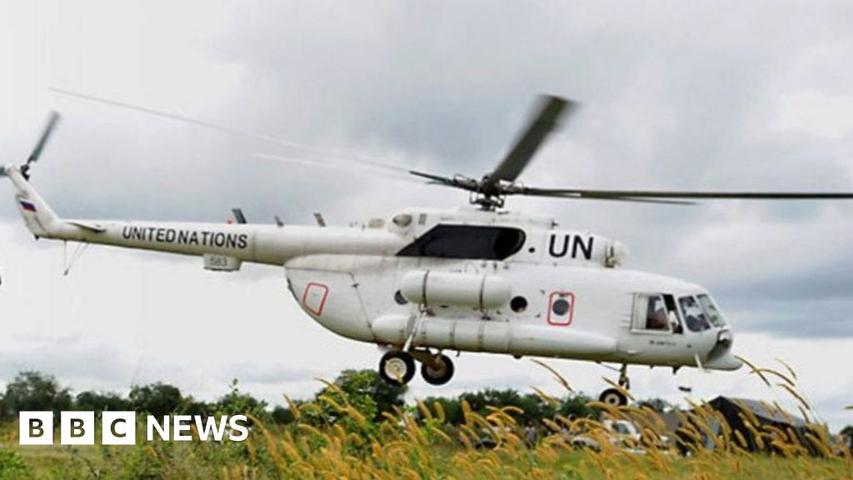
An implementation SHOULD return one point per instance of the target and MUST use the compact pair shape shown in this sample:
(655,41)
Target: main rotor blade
(233,131)
(342,164)
(662,194)
(434,178)
(544,122)
(538,192)
(458,181)
(48,129)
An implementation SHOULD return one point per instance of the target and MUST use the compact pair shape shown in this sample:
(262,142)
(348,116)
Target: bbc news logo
(119,428)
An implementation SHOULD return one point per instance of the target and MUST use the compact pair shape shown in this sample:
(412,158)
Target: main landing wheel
(613,397)
(396,367)
(439,372)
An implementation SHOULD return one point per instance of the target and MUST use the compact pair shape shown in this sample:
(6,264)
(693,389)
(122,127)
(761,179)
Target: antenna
(318,217)
(238,215)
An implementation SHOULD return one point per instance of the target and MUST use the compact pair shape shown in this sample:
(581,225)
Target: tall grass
(419,442)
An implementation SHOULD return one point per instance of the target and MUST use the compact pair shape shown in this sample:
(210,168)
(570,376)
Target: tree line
(37,391)
(363,389)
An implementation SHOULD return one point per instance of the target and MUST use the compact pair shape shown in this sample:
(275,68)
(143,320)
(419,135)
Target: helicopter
(478,278)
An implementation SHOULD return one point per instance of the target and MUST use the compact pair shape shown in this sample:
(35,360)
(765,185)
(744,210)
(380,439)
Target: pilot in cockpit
(656,318)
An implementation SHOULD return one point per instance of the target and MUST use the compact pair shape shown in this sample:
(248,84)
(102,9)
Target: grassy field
(404,451)
(330,438)
(406,447)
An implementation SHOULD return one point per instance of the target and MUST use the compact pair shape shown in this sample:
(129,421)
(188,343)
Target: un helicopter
(479,278)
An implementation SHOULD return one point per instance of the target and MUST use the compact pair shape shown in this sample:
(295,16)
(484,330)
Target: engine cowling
(480,291)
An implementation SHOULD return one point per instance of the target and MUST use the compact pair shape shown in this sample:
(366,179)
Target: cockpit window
(711,310)
(655,312)
(672,314)
(466,241)
(694,316)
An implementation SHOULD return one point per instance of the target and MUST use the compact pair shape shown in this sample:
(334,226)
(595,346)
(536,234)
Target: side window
(561,308)
(650,313)
(694,316)
(466,241)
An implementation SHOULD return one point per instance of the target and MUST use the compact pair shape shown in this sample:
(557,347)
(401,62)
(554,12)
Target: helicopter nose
(726,361)
(720,357)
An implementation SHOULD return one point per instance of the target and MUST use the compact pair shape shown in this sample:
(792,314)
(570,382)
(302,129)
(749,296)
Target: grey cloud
(786,317)
(271,374)
(68,357)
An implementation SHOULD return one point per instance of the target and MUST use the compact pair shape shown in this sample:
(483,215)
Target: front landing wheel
(396,367)
(613,397)
(439,372)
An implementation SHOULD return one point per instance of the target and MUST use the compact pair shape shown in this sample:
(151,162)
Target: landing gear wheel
(613,397)
(440,372)
(396,367)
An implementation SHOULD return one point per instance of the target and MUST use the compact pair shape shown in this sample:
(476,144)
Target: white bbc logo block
(35,428)
(77,428)
(118,428)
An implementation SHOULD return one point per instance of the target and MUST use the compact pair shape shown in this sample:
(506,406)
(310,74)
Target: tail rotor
(52,120)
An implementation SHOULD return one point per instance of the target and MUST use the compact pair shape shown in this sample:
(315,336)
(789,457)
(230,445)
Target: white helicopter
(476,279)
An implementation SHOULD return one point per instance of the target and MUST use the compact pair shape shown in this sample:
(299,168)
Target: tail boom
(267,244)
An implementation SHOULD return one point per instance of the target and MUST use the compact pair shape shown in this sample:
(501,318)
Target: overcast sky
(698,95)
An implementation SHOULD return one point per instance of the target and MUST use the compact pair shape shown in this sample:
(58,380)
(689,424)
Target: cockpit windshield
(711,310)
(694,315)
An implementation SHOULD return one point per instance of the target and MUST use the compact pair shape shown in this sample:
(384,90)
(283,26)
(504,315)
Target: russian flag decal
(28,206)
